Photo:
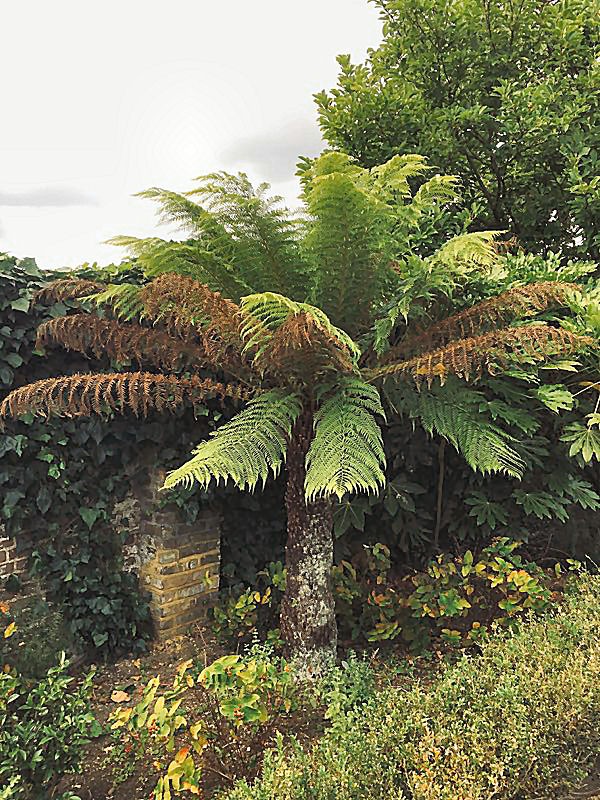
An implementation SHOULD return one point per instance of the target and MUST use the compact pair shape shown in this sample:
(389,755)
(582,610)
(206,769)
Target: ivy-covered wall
(60,480)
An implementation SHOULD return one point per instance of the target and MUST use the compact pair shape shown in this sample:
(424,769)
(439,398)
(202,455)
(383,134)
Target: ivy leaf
(21,304)
(43,500)
(14,359)
(89,515)
(11,499)
(100,638)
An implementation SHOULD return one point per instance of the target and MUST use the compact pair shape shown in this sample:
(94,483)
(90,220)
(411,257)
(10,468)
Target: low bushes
(217,714)
(519,721)
(451,602)
(44,727)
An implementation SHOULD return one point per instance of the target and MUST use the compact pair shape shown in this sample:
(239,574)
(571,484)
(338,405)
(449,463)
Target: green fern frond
(469,250)
(175,208)
(343,243)
(390,180)
(455,414)
(264,313)
(123,299)
(247,449)
(209,260)
(437,190)
(346,454)
(264,233)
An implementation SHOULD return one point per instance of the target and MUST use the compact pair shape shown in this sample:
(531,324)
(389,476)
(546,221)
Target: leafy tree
(310,376)
(503,94)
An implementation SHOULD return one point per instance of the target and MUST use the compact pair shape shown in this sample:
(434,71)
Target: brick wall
(183,574)
(13,561)
(178,563)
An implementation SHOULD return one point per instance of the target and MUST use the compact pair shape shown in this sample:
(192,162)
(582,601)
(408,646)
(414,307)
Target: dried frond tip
(123,342)
(67,289)
(520,302)
(140,392)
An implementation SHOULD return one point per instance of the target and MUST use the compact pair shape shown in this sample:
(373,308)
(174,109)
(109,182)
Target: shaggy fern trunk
(308,624)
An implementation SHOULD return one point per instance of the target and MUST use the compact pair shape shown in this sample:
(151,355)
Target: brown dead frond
(303,348)
(123,342)
(183,301)
(489,352)
(523,301)
(67,289)
(140,392)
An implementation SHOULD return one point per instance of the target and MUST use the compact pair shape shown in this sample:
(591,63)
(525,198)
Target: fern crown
(320,315)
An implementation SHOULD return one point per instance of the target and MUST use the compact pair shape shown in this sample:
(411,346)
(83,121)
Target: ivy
(60,479)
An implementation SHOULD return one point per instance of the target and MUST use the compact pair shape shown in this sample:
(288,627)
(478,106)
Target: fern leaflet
(247,448)
(346,454)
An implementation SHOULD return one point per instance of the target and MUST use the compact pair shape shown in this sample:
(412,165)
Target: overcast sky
(103,99)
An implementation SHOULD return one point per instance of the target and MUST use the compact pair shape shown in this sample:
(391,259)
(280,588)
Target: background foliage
(504,95)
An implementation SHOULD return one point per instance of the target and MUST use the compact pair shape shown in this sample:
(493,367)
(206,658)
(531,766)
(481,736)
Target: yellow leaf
(190,787)
(10,630)
(199,744)
(195,729)
(184,666)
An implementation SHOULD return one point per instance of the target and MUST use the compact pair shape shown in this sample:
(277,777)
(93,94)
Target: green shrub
(43,729)
(40,635)
(521,720)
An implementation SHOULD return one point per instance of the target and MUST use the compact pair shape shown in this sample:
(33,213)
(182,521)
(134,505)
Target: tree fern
(342,241)
(123,299)
(235,294)
(140,392)
(208,259)
(437,190)
(67,289)
(346,453)
(516,303)
(122,342)
(494,352)
(264,232)
(247,449)
(390,181)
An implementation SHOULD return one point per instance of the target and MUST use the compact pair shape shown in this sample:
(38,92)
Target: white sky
(103,99)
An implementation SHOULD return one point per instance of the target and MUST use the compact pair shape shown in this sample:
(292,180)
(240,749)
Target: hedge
(519,721)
